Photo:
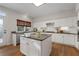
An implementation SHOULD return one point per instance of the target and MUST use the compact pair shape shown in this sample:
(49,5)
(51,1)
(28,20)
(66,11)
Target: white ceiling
(43,10)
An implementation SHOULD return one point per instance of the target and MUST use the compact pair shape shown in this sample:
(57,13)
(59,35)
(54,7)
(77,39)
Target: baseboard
(64,44)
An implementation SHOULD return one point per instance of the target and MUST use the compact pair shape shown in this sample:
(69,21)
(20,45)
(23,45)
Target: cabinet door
(57,38)
(24,46)
(69,39)
(28,24)
(30,47)
(77,41)
(35,47)
(14,39)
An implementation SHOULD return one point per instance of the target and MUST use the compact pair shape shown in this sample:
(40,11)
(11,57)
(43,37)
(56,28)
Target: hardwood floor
(63,50)
(57,50)
(10,51)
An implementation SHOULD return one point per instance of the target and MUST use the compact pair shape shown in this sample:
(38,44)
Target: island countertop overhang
(40,38)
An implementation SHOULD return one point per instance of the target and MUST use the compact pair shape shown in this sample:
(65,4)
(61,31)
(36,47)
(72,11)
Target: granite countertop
(61,33)
(16,32)
(41,38)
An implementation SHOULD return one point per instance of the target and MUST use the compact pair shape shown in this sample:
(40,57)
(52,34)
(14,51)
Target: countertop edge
(49,35)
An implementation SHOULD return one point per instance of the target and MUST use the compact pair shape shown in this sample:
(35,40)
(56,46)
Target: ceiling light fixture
(38,4)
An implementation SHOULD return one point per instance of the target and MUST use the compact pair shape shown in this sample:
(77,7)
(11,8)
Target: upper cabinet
(23,23)
(28,24)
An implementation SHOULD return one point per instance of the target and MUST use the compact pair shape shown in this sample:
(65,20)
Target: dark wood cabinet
(23,23)
(28,24)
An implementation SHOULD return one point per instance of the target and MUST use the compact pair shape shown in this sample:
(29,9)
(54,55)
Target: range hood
(50,24)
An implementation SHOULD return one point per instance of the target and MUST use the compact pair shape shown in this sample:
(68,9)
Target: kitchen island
(36,45)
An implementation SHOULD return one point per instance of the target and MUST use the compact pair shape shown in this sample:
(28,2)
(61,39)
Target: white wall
(10,23)
(65,21)
(24,17)
(60,18)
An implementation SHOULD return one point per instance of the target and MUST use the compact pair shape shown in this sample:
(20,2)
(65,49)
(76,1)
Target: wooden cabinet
(28,24)
(23,23)
(20,23)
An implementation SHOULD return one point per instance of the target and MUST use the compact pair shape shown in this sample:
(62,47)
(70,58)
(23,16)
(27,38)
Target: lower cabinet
(35,49)
(31,47)
(67,39)
(24,46)
(58,38)
(15,39)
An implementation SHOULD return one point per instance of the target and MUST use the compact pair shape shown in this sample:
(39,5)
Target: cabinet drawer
(69,39)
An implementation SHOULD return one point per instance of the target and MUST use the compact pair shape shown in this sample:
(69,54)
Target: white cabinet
(57,38)
(32,47)
(77,42)
(67,39)
(46,47)
(35,47)
(14,39)
(24,46)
